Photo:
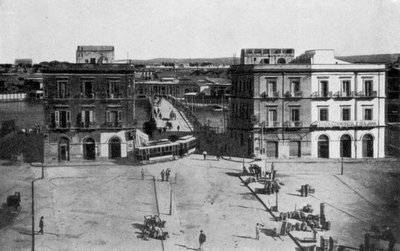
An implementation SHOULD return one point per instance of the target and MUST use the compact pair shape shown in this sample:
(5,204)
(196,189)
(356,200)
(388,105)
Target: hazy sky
(46,30)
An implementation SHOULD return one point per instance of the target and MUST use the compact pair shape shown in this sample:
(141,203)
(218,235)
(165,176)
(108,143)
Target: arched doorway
(368,146)
(89,149)
(323,146)
(345,146)
(114,148)
(281,61)
(63,149)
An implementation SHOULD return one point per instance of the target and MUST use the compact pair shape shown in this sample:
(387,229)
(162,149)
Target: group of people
(165,174)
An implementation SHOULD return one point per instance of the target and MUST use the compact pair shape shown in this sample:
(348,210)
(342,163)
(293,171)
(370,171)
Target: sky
(46,30)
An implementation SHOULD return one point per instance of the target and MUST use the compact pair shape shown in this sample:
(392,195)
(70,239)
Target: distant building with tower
(94,54)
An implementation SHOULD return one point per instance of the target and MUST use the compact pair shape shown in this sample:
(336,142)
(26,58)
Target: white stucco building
(347,108)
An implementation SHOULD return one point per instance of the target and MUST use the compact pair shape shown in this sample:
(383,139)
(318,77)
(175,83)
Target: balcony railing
(367,94)
(341,94)
(297,94)
(270,95)
(293,124)
(112,125)
(83,125)
(344,124)
(58,125)
(272,124)
(321,95)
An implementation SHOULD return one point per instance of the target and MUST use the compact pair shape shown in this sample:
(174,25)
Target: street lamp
(261,138)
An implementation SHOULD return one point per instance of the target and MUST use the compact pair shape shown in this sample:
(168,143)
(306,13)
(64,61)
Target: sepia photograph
(207,125)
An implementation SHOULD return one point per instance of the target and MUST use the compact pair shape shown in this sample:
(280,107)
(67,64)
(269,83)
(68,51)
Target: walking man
(258,228)
(202,239)
(205,155)
(178,127)
(41,225)
(142,174)
(167,173)
(162,175)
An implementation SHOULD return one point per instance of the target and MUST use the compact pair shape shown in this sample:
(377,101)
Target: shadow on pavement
(184,246)
(293,194)
(244,237)
(233,174)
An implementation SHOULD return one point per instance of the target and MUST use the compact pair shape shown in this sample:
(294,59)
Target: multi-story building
(89,111)
(94,54)
(315,106)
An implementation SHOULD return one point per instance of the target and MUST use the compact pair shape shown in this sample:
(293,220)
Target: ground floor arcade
(87,146)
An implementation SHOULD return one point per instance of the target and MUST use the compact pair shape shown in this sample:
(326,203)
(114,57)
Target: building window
(323,114)
(62,91)
(346,114)
(271,87)
(62,118)
(113,90)
(86,119)
(346,88)
(323,88)
(272,117)
(114,118)
(367,113)
(87,89)
(368,86)
(295,88)
(295,114)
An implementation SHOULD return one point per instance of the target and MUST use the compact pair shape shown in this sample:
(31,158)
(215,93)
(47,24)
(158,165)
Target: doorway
(323,146)
(345,146)
(114,148)
(63,149)
(368,146)
(89,149)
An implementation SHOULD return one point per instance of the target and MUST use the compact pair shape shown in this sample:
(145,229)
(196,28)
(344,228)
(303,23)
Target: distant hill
(371,59)
(214,61)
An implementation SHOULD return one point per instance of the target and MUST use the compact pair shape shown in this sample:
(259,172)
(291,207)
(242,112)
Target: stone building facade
(315,106)
(94,54)
(89,112)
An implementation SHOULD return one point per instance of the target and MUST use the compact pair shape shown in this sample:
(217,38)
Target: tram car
(187,145)
(165,149)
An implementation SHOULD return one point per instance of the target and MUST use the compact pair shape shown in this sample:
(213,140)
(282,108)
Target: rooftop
(88,68)
(95,48)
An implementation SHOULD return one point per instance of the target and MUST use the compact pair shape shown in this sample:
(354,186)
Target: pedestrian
(142,174)
(167,173)
(178,127)
(41,225)
(162,175)
(258,228)
(205,155)
(202,239)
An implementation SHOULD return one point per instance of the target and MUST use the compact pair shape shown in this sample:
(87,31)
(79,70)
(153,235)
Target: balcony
(60,126)
(321,95)
(272,124)
(85,126)
(293,124)
(270,95)
(344,95)
(112,125)
(367,94)
(343,124)
(298,94)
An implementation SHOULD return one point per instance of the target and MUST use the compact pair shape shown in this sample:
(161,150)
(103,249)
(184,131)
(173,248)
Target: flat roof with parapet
(95,48)
(268,51)
(89,68)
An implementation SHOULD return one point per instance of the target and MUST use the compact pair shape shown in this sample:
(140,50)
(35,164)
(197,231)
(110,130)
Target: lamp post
(261,138)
